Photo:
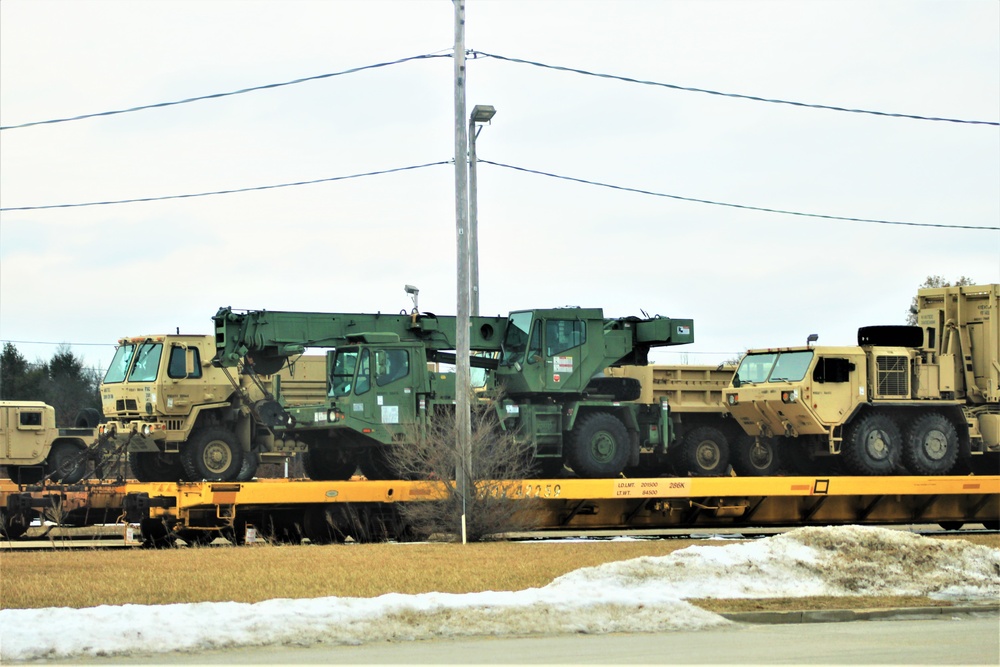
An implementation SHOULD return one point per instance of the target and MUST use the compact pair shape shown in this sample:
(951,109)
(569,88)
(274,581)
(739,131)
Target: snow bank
(640,595)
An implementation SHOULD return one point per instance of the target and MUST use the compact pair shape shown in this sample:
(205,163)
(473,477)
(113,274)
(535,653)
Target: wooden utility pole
(463,422)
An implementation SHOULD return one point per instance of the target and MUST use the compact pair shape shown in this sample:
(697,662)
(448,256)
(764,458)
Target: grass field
(86,578)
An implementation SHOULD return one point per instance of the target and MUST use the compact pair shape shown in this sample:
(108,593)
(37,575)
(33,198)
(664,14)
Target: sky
(86,276)
(645,594)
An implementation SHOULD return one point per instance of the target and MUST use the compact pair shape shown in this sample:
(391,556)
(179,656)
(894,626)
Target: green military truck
(381,390)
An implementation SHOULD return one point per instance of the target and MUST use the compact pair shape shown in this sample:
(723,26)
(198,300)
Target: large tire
(704,452)
(87,418)
(330,462)
(249,468)
(156,467)
(213,455)
(598,446)
(873,445)
(755,457)
(931,445)
(67,463)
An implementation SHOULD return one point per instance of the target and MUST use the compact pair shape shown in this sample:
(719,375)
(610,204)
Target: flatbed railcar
(330,511)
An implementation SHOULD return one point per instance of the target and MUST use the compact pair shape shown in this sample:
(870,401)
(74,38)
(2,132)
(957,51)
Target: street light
(481,113)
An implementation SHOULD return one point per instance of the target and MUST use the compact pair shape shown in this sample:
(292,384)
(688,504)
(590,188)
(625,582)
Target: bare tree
(498,462)
(934,281)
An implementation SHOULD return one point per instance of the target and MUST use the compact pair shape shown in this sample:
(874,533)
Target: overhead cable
(735,95)
(234,92)
(731,205)
(228,192)
(505,166)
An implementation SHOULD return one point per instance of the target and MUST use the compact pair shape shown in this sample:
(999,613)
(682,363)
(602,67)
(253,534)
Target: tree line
(63,382)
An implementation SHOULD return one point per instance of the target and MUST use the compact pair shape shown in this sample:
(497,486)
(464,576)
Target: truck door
(563,348)
(393,372)
(837,386)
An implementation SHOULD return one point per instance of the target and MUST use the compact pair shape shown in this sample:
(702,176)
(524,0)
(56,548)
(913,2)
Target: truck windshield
(774,367)
(147,363)
(119,365)
(515,338)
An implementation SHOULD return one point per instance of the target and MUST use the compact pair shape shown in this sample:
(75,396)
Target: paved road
(969,639)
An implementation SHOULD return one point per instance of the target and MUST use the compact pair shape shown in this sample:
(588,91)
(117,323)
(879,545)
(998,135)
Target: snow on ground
(641,595)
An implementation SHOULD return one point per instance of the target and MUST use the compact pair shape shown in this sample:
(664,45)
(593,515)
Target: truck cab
(33,447)
(798,391)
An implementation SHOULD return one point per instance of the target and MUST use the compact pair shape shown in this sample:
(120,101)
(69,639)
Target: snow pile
(640,595)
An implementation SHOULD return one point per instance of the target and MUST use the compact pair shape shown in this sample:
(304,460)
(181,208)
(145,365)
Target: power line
(731,205)
(734,95)
(227,192)
(228,94)
(584,181)
(43,342)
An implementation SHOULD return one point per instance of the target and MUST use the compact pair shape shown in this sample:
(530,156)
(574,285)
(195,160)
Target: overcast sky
(89,275)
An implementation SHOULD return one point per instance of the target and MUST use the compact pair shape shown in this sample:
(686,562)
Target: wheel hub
(217,456)
(603,447)
(936,445)
(707,454)
(877,445)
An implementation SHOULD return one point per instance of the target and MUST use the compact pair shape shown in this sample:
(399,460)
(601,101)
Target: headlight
(733,399)
(332,415)
(146,430)
(790,396)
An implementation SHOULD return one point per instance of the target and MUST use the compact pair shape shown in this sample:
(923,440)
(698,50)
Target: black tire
(249,467)
(330,462)
(704,452)
(213,455)
(67,463)
(931,445)
(799,460)
(755,457)
(598,446)
(156,467)
(873,445)
(87,418)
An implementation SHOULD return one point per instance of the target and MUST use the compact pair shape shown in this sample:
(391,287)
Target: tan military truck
(706,439)
(180,418)
(905,399)
(32,447)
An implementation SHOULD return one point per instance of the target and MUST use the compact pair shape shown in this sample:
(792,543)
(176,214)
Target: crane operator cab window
(562,335)
(343,378)
(391,365)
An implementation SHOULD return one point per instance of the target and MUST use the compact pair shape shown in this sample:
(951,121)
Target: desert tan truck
(706,439)
(180,418)
(32,447)
(907,399)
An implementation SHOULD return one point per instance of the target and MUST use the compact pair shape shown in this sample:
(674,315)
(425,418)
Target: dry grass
(84,578)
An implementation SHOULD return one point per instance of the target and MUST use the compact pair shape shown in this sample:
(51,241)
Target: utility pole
(463,422)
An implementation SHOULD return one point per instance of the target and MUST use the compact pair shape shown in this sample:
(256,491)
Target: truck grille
(893,376)
(127,404)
